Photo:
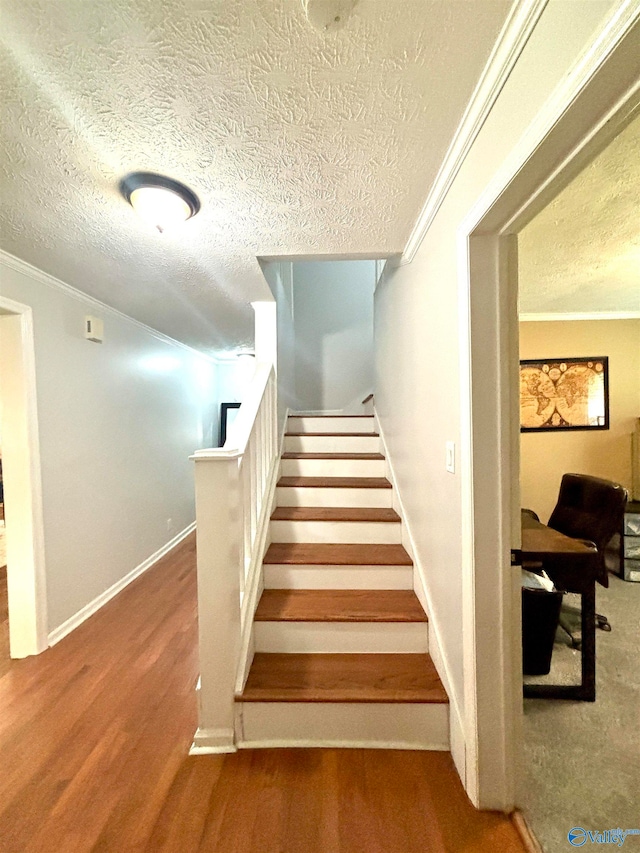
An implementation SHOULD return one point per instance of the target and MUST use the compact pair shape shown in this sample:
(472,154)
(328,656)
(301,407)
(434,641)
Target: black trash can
(540,615)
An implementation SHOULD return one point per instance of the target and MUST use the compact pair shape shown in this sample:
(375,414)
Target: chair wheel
(605,627)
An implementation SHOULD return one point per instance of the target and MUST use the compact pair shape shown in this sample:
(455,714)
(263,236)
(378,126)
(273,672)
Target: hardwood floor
(94,736)
(4,623)
(336,482)
(295,455)
(340,605)
(329,677)
(324,513)
(319,554)
(334,434)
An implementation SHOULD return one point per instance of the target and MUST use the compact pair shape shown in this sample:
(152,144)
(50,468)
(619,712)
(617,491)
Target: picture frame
(562,394)
(226,419)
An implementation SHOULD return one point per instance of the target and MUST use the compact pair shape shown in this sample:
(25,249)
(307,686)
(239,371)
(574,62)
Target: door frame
(584,114)
(26,576)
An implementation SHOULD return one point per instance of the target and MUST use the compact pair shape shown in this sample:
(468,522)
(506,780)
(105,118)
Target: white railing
(234,493)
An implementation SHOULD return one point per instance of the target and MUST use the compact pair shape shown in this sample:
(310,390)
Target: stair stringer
(456,719)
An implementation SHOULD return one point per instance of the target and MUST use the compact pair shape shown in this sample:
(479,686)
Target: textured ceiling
(582,252)
(298,142)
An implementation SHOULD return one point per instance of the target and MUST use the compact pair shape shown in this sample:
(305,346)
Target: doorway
(22,495)
(596,101)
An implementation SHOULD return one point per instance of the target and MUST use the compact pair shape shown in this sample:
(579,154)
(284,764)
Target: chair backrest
(590,508)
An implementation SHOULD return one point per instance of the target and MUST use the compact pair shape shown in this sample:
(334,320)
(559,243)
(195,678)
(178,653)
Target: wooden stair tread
(296,455)
(339,605)
(334,434)
(319,554)
(330,416)
(335,482)
(321,513)
(343,678)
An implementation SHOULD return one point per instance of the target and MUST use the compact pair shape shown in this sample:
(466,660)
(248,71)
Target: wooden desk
(571,565)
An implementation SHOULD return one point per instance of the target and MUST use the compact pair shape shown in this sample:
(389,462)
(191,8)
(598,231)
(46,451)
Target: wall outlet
(169,524)
(451,457)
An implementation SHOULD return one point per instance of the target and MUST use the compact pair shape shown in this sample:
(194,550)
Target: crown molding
(514,35)
(583,315)
(43,277)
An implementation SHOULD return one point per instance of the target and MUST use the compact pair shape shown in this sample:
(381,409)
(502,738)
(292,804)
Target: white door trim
(22,482)
(573,121)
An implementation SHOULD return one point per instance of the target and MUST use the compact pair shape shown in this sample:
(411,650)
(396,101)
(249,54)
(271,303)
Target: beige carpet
(582,759)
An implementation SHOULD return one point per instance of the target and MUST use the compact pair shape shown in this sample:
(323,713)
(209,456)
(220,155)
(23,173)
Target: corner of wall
(92,607)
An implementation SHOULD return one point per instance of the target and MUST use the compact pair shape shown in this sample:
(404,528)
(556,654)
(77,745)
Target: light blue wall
(333,329)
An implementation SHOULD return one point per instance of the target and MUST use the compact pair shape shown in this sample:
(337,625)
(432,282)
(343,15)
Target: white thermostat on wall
(93,329)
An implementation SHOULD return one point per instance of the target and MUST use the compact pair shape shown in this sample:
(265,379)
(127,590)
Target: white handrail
(234,491)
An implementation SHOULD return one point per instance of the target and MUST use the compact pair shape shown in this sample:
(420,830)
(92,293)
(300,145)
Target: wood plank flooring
(4,623)
(325,513)
(94,735)
(320,554)
(335,434)
(316,417)
(336,482)
(339,605)
(361,456)
(276,677)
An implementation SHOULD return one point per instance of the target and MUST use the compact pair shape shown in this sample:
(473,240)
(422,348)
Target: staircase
(341,640)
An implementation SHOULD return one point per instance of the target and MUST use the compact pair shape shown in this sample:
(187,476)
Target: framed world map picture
(564,394)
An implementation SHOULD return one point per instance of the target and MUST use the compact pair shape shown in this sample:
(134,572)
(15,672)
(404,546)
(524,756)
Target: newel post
(219,537)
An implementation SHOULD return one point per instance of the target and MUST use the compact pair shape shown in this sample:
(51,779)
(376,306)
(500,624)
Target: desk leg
(586,690)
(588,687)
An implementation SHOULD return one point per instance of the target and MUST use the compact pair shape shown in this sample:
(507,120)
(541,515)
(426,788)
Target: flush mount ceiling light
(160,201)
(326,15)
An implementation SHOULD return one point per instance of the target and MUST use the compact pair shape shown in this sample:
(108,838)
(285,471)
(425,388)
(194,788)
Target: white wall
(325,332)
(333,326)
(117,423)
(232,376)
(417,330)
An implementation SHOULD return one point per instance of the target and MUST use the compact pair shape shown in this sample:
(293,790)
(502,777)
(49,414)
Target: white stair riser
(342,637)
(340,424)
(343,724)
(338,577)
(304,496)
(339,532)
(332,444)
(332,468)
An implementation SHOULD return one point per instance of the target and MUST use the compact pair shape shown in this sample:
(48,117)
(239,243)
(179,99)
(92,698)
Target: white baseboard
(213,742)
(308,743)
(457,743)
(93,606)
(456,721)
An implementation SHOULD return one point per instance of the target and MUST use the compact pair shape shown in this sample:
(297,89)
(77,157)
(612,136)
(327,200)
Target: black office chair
(591,509)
